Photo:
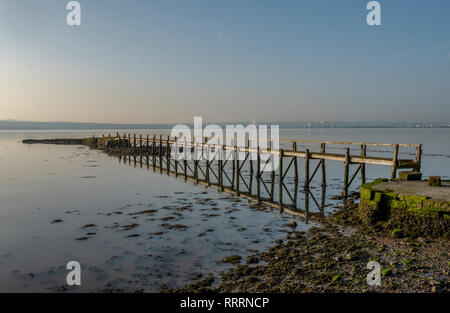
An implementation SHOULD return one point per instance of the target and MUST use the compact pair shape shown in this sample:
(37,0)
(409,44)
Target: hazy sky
(166,61)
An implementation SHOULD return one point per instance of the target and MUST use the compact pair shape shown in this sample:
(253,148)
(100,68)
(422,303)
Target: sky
(166,61)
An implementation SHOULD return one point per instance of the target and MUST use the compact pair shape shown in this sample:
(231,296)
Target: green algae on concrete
(403,202)
(434,181)
(410,175)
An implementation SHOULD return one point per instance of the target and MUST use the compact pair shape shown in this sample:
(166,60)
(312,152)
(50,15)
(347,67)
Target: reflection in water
(236,183)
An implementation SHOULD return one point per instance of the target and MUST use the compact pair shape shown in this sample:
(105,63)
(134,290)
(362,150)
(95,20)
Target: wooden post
(307,207)
(168,155)
(147,143)
(140,141)
(154,152)
(176,157)
(207,165)
(185,169)
(294,147)
(134,141)
(236,157)
(280,183)
(196,163)
(233,169)
(295,194)
(418,157)
(394,162)
(250,157)
(160,154)
(346,172)
(324,175)
(129,141)
(306,186)
(220,163)
(258,176)
(272,174)
(363,153)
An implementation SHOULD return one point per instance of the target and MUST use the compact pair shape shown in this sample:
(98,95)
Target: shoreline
(333,257)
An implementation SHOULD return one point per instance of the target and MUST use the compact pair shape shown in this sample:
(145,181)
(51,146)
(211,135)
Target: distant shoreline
(25,125)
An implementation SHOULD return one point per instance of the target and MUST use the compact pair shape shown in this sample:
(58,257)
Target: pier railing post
(154,152)
(160,154)
(346,172)
(363,152)
(324,175)
(394,162)
(238,171)
(250,157)
(206,149)
(280,183)
(418,157)
(258,175)
(168,155)
(306,185)
(220,163)
(176,156)
(196,160)
(272,173)
(294,147)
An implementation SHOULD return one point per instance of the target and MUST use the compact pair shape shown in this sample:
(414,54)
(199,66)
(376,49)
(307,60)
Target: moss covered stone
(410,176)
(434,181)
(413,213)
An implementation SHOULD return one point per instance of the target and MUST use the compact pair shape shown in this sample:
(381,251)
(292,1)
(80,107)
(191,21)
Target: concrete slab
(416,188)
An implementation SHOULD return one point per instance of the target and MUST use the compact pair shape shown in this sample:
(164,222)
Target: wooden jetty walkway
(249,179)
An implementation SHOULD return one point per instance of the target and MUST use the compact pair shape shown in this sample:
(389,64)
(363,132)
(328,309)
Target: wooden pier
(238,177)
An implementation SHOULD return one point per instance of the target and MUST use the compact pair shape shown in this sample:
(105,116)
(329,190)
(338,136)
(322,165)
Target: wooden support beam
(280,183)
(324,175)
(272,174)
(238,169)
(394,162)
(418,157)
(363,152)
(154,152)
(168,155)
(294,147)
(250,158)
(346,171)
(258,176)
(207,166)
(160,154)
(176,157)
(307,157)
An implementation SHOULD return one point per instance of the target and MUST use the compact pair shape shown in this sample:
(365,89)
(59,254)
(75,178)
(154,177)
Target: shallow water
(53,195)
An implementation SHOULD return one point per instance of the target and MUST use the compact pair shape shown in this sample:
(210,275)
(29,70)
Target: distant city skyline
(152,62)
